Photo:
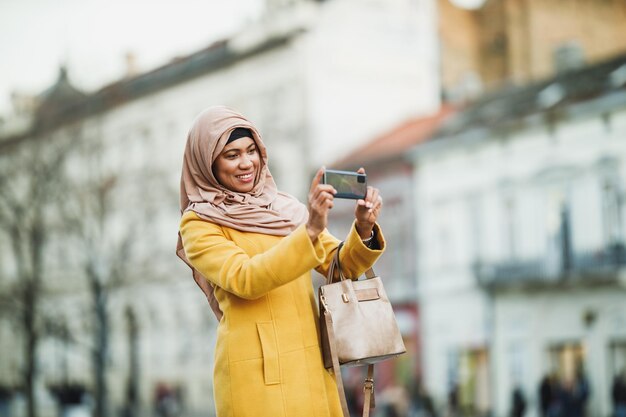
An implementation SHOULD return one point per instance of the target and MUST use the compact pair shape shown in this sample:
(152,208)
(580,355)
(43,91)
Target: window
(509,228)
(567,359)
(611,213)
(617,358)
(558,222)
(474,206)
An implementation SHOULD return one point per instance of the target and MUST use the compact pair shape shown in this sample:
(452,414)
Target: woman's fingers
(319,194)
(320,202)
(375,210)
(325,189)
(317,187)
(322,196)
(325,196)
(317,178)
(370,198)
(368,209)
(379,203)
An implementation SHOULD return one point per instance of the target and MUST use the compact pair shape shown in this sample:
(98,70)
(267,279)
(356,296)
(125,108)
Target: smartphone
(347,183)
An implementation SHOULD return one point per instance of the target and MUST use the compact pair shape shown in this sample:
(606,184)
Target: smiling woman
(251,249)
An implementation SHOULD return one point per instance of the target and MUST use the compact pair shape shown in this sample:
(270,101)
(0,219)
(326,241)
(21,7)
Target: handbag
(357,327)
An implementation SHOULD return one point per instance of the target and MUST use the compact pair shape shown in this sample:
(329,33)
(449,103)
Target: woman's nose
(245,161)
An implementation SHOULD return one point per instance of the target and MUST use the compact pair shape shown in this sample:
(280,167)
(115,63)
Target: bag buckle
(368,385)
(323,301)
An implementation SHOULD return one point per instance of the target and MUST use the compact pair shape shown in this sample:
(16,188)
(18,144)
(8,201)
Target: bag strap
(369,274)
(368,386)
(335,360)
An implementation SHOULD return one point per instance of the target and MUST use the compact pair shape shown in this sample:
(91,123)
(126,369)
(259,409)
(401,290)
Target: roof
(62,90)
(507,107)
(212,58)
(57,98)
(396,141)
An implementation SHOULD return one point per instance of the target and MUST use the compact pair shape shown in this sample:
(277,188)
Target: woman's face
(236,168)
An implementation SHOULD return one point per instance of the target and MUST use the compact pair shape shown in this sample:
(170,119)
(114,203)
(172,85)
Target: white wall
(463,190)
(369,66)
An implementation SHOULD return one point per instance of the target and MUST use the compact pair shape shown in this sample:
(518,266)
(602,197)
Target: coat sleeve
(229,267)
(355,257)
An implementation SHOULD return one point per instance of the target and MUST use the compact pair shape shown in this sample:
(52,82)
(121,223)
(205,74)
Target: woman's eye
(252,151)
(231,156)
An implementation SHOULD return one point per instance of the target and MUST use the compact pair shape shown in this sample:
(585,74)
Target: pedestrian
(548,396)
(420,402)
(573,395)
(453,400)
(618,393)
(518,402)
(251,249)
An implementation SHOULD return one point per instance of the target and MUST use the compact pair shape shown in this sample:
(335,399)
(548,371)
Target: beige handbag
(357,327)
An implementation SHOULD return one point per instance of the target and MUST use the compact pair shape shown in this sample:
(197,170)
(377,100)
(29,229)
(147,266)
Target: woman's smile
(246,177)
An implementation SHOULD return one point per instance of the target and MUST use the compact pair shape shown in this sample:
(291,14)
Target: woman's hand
(367,211)
(320,202)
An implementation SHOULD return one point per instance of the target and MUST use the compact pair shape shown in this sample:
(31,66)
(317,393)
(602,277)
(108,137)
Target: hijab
(262,210)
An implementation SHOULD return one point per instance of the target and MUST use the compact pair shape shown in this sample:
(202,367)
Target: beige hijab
(262,210)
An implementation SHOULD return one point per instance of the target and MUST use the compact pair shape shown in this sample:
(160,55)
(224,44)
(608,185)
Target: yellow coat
(267,358)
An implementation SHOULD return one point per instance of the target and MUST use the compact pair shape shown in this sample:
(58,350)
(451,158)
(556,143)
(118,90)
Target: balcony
(597,267)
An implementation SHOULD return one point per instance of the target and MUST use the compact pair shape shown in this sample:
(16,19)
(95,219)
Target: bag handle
(336,264)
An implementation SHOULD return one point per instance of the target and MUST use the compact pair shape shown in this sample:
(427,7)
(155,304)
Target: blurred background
(495,130)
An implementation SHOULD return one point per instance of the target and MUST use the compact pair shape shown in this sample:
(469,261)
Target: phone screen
(348,184)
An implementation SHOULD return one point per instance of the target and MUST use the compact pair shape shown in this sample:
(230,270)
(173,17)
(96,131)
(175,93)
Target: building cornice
(213,58)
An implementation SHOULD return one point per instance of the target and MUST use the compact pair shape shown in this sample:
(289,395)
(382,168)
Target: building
(521,238)
(315,77)
(486,45)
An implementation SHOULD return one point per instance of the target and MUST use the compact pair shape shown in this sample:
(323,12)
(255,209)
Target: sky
(92,37)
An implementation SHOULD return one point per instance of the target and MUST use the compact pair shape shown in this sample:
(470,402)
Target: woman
(251,249)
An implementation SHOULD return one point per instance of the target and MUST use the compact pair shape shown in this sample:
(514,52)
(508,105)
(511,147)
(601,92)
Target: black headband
(238,133)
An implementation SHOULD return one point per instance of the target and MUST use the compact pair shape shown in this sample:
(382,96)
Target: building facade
(521,237)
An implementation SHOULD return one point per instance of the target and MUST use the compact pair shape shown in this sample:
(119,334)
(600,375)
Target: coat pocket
(269,345)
